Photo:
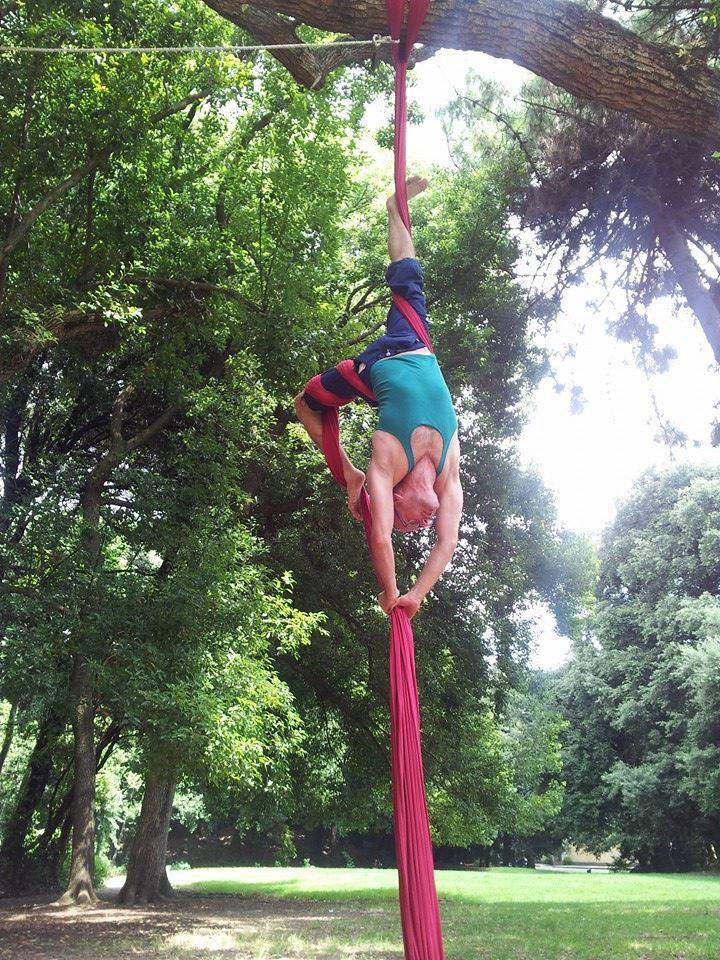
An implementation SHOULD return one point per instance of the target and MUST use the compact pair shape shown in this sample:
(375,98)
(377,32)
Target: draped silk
(419,911)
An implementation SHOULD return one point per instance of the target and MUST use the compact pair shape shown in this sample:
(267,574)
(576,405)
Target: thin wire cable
(377,41)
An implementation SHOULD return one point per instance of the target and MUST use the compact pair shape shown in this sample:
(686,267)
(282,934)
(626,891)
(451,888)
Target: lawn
(325,914)
(513,914)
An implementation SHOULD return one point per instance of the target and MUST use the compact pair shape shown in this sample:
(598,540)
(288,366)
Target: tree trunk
(572,46)
(687,273)
(8,736)
(14,864)
(147,879)
(80,884)
(82,685)
(80,887)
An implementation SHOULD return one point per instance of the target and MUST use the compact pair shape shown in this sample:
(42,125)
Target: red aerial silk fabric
(419,911)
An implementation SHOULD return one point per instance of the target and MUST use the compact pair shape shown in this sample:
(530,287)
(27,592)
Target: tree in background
(186,240)
(125,308)
(613,200)
(641,746)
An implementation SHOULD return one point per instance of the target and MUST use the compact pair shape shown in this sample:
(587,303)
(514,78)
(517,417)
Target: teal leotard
(411,392)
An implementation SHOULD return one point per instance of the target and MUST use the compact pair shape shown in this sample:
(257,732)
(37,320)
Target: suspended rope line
(377,41)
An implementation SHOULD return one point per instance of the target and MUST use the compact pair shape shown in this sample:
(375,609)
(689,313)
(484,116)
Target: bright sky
(591,459)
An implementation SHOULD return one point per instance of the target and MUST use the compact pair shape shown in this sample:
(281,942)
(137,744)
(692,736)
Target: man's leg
(354,478)
(400,244)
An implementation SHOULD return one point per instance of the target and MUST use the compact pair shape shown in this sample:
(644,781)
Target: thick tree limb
(578,49)
(687,273)
(309,67)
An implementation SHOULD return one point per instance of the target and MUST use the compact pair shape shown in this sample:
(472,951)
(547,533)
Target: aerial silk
(419,909)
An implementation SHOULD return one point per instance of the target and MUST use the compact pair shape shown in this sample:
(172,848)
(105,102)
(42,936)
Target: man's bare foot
(355,482)
(413,186)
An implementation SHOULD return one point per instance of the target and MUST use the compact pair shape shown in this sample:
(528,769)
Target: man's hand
(410,603)
(387,603)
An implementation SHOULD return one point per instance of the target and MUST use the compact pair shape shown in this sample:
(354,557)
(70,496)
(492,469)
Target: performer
(414,473)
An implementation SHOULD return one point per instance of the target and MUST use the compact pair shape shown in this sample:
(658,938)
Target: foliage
(628,208)
(191,238)
(641,745)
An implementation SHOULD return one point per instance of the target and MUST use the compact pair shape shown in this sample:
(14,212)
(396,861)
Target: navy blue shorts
(406,278)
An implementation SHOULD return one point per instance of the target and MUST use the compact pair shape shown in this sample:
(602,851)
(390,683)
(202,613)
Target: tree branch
(92,163)
(589,55)
(309,67)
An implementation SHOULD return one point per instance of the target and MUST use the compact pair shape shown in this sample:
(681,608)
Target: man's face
(415,501)
(410,525)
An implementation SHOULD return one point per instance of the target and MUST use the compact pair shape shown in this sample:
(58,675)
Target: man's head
(415,500)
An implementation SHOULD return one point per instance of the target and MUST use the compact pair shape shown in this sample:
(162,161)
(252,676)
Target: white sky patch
(590,459)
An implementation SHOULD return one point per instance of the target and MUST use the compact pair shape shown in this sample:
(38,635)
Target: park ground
(335,914)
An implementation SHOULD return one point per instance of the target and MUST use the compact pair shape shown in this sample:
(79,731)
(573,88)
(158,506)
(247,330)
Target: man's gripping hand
(410,603)
(388,602)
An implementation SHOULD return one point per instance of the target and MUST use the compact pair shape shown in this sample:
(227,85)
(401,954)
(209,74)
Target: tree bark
(147,879)
(49,852)
(310,66)
(578,49)
(80,883)
(687,273)
(14,863)
(8,735)
(80,887)
(82,682)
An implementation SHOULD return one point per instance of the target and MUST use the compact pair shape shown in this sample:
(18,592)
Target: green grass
(497,885)
(499,914)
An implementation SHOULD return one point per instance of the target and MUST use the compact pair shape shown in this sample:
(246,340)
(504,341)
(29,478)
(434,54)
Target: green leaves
(219,243)
(641,752)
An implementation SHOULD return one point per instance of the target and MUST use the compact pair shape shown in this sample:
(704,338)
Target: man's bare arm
(380,486)
(447,525)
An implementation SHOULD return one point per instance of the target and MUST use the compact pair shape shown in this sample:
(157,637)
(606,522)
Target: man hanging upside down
(414,473)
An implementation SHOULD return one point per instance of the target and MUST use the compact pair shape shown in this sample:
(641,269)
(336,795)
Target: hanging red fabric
(401,52)
(419,910)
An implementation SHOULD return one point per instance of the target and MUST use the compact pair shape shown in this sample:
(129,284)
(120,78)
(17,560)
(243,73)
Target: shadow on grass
(611,929)
(263,921)
(292,889)
(526,931)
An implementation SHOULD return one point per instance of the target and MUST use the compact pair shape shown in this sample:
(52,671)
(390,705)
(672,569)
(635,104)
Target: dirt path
(192,927)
